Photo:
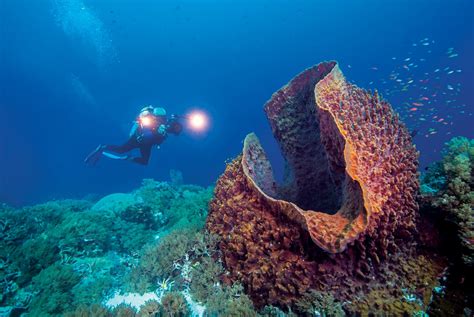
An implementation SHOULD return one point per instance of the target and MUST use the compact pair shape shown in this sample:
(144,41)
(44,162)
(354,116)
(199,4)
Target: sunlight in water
(81,23)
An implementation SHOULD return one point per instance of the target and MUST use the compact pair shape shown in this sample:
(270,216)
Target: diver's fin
(94,157)
(115,157)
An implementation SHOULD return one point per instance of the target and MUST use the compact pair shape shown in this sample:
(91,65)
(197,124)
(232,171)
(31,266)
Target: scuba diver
(150,128)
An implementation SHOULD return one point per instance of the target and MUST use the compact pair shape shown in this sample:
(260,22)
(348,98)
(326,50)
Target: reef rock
(346,208)
(115,203)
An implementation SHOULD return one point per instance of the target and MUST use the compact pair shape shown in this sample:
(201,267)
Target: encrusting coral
(344,220)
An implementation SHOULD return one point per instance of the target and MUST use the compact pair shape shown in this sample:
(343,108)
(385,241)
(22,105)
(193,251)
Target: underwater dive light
(198,121)
(147,121)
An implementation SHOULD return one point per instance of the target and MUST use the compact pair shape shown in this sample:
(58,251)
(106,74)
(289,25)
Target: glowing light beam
(198,121)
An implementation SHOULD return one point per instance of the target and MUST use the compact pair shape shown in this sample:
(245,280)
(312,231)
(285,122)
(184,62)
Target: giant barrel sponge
(346,204)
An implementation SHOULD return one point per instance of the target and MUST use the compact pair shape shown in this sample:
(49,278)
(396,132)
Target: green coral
(157,260)
(141,214)
(181,206)
(97,280)
(271,311)
(229,301)
(191,209)
(174,305)
(315,303)
(17,226)
(94,310)
(151,309)
(53,286)
(35,255)
(159,195)
(205,279)
(73,253)
(38,240)
(86,233)
(174,255)
(452,191)
(124,310)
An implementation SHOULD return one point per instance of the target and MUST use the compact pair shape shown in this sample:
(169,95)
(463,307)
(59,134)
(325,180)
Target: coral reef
(66,255)
(344,220)
(449,187)
(448,201)
(341,235)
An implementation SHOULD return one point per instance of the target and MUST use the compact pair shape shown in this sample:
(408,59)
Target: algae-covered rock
(115,203)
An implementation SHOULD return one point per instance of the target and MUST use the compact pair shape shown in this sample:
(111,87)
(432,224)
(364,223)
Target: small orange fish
(424,98)
(417,104)
(413,109)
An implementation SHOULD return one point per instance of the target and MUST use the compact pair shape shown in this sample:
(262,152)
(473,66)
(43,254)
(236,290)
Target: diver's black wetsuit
(132,143)
(142,138)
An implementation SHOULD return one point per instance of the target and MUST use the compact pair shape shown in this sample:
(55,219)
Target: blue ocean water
(75,73)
